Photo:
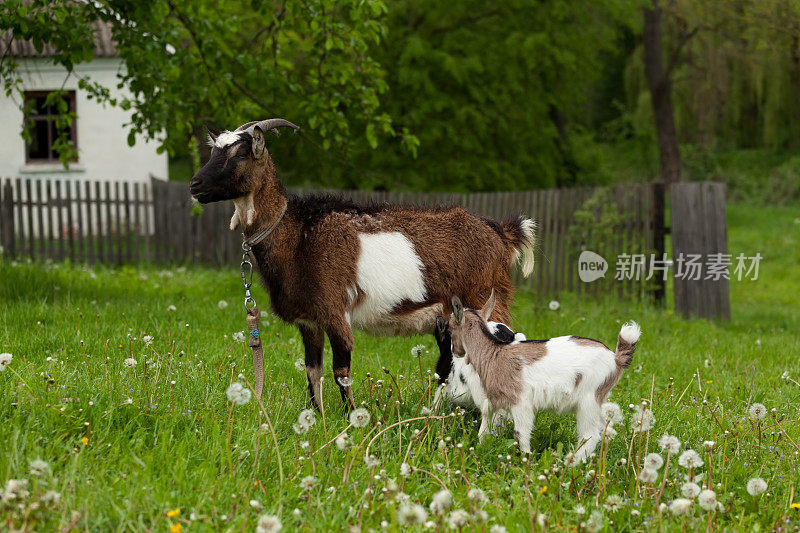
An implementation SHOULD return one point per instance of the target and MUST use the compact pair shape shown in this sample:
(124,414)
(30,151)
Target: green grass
(154,447)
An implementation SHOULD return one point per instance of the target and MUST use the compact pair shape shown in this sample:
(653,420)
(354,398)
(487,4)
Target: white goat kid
(562,374)
(456,385)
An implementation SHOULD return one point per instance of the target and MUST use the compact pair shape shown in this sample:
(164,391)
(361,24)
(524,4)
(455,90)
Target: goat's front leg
(341,339)
(313,342)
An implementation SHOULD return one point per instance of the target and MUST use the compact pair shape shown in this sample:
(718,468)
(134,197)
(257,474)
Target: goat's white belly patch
(389,271)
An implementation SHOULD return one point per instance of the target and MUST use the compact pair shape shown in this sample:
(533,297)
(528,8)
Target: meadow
(114,414)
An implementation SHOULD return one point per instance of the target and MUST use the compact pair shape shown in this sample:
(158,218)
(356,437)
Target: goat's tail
(626,343)
(520,231)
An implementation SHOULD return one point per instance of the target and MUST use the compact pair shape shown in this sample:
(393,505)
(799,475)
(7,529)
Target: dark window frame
(45,115)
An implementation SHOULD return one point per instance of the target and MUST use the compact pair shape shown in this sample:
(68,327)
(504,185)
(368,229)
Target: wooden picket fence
(83,221)
(114,223)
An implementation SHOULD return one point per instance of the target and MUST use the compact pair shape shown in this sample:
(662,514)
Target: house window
(45,119)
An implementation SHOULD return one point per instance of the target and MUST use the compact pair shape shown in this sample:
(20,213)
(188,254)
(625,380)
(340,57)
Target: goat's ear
(211,137)
(441,328)
(488,307)
(458,310)
(258,143)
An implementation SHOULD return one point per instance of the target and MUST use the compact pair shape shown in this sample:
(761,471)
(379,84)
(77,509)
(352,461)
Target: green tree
(498,93)
(222,63)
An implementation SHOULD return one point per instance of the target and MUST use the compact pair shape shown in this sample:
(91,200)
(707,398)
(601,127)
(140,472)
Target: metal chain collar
(247,276)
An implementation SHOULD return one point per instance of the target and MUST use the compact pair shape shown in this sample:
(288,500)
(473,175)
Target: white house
(98,133)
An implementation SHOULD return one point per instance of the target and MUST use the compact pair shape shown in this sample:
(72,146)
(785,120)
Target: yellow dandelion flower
(85,441)
(176,528)
(173,513)
(543,490)
(796,505)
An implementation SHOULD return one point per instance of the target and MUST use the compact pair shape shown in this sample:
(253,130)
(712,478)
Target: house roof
(103,44)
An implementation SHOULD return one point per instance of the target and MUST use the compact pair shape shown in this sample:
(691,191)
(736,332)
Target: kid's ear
(488,307)
(458,310)
(441,327)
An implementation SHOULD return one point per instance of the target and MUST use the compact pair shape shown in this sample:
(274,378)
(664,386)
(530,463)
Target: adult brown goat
(331,265)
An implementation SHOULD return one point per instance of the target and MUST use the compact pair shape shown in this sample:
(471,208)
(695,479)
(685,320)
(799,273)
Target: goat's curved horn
(244,127)
(273,124)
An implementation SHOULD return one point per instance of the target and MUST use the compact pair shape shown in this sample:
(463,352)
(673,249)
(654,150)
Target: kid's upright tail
(626,343)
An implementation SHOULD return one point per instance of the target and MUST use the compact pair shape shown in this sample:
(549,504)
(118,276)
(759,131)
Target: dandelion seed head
(238,336)
(15,489)
(411,514)
(614,503)
(130,362)
(418,350)
(457,519)
(238,394)
(345,381)
(690,459)
(372,461)
(690,490)
(653,461)
(757,411)
(477,496)
(756,486)
(307,418)
(268,524)
(147,339)
(51,497)
(709,444)
(359,417)
(222,304)
(441,501)
(299,365)
(611,413)
(669,443)
(39,467)
(707,499)
(642,419)
(554,305)
(680,506)
(308,482)
(595,522)
(343,442)
(648,475)
(406,470)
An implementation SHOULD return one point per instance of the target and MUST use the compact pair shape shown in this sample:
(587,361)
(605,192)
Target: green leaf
(372,137)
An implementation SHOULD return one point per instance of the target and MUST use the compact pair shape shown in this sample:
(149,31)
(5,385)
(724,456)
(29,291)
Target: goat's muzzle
(196,189)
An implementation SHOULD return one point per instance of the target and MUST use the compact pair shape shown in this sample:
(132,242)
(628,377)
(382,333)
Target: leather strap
(253,316)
